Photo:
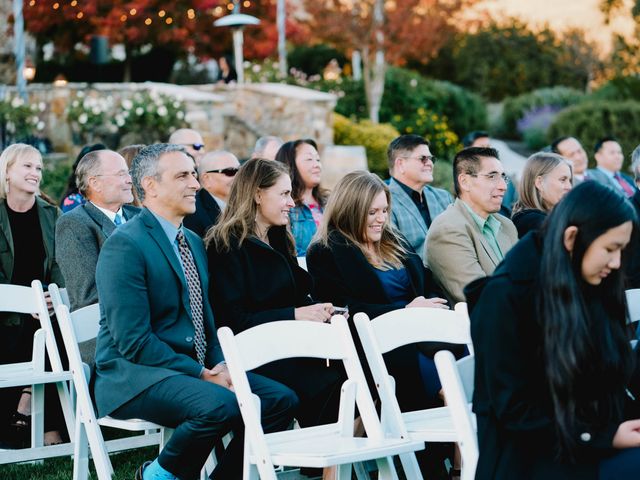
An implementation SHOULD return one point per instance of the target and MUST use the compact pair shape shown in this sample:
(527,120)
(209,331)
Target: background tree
(509,58)
(384,31)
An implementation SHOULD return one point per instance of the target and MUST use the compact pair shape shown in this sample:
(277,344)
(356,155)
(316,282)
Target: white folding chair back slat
(59,296)
(319,446)
(633,304)
(403,327)
(457,384)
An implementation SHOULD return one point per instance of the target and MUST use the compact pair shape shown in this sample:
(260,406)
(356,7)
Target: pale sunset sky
(561,14)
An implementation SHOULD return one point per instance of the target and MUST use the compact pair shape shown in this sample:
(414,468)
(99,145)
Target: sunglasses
(196,146)
(229,172)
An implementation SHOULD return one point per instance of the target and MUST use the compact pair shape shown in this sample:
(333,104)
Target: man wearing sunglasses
(191,140)
(415,202)
(216,173)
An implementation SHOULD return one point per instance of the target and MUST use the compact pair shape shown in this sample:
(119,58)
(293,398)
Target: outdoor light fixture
(60,81)
(29,71)
(237,21)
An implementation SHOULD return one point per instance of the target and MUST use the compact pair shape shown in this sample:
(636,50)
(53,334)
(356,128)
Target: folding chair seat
(319,446)
(30,300)
(403,327)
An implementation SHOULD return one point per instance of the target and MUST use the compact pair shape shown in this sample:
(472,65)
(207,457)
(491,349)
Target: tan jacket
(457,253)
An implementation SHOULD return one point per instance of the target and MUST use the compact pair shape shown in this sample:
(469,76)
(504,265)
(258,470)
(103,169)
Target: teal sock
(156,472)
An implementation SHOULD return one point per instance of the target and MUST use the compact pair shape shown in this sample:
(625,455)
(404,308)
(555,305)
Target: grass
(61,468)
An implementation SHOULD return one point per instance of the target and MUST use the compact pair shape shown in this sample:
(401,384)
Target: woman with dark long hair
(303,160)
(555,382)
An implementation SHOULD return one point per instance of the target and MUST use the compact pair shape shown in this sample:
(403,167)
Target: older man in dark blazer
(157,354)
(103,179)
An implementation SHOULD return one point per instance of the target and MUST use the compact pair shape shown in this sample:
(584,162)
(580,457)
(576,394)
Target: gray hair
(145,163)
(88,166)
(262,143)
(635,163)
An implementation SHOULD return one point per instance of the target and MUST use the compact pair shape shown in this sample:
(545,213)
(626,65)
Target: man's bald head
(191,140)
(217,171)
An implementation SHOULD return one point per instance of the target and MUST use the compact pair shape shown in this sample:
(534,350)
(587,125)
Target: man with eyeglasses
(470,238)
(415,202)
(216,173)
(103,178)
(191,140)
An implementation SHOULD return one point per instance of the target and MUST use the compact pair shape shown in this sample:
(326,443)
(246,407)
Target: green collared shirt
(489,229)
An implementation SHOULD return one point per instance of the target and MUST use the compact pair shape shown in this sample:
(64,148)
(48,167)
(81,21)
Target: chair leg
(361,471)
(386,470)
(37,416)
(410,466)
(343,472)
(80,451)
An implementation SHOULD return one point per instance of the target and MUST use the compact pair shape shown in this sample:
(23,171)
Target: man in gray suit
(103,179)
(157,354)
(609,159)
(470,238)
(415,203)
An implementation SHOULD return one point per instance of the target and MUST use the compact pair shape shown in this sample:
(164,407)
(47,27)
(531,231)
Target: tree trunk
(374,64)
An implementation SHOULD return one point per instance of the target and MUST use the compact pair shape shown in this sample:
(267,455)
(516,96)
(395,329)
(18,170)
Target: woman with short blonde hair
(546,178)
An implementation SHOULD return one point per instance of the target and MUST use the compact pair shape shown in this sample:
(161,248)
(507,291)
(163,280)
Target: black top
(528,220)
(256,283)
(419,200)
(206,214)
(516,422)
(29,254)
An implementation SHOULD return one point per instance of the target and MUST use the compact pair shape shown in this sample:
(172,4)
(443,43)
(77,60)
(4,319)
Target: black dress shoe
(141,468)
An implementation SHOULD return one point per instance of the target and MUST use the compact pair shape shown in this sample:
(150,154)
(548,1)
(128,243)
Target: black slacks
(202,413)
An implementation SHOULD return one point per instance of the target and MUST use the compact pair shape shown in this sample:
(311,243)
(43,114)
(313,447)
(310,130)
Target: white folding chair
(402,327)
(456,378)
(319,446)
(79,326)
(30,300)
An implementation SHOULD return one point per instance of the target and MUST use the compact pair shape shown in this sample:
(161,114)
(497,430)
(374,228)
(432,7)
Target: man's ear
(463,182)
(149,187)
(569,238)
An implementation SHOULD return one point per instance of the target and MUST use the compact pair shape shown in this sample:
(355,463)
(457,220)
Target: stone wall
(230,117)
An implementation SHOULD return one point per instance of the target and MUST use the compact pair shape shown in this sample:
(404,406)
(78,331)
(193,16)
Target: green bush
(590,121)
(55,176)
(374,138)
(406,91)
(516,108)
(619,88)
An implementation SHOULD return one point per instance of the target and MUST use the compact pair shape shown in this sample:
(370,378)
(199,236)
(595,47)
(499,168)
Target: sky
(562,14)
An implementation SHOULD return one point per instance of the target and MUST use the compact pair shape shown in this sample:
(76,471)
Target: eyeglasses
(423,158)
(121,174)
(229,172)
(493,177)
(196,146)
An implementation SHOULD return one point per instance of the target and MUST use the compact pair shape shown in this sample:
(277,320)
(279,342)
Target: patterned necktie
(118,220)
(628,189)
(195,296)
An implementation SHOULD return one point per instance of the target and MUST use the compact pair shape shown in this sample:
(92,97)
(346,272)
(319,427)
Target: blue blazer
(406,217)
(146,330)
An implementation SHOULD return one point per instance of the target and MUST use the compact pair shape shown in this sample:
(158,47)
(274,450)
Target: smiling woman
(27,225)
(255,279)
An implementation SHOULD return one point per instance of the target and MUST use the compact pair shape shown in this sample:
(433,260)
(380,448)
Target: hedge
(529,104)
(374,138)
(593,120)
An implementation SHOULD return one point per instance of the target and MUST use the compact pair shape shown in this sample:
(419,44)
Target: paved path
(513,162)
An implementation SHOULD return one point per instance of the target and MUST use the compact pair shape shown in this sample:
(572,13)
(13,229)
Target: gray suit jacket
(146,330)
(80,234)
(457,253)
(601,177)
(406,217)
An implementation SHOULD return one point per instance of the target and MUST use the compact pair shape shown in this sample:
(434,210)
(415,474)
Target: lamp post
(237,22)
(18,33)
(282,47)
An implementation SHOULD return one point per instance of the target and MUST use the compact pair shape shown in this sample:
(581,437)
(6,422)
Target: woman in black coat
(546,178)
(555,377)
(255,279)
(357,261)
